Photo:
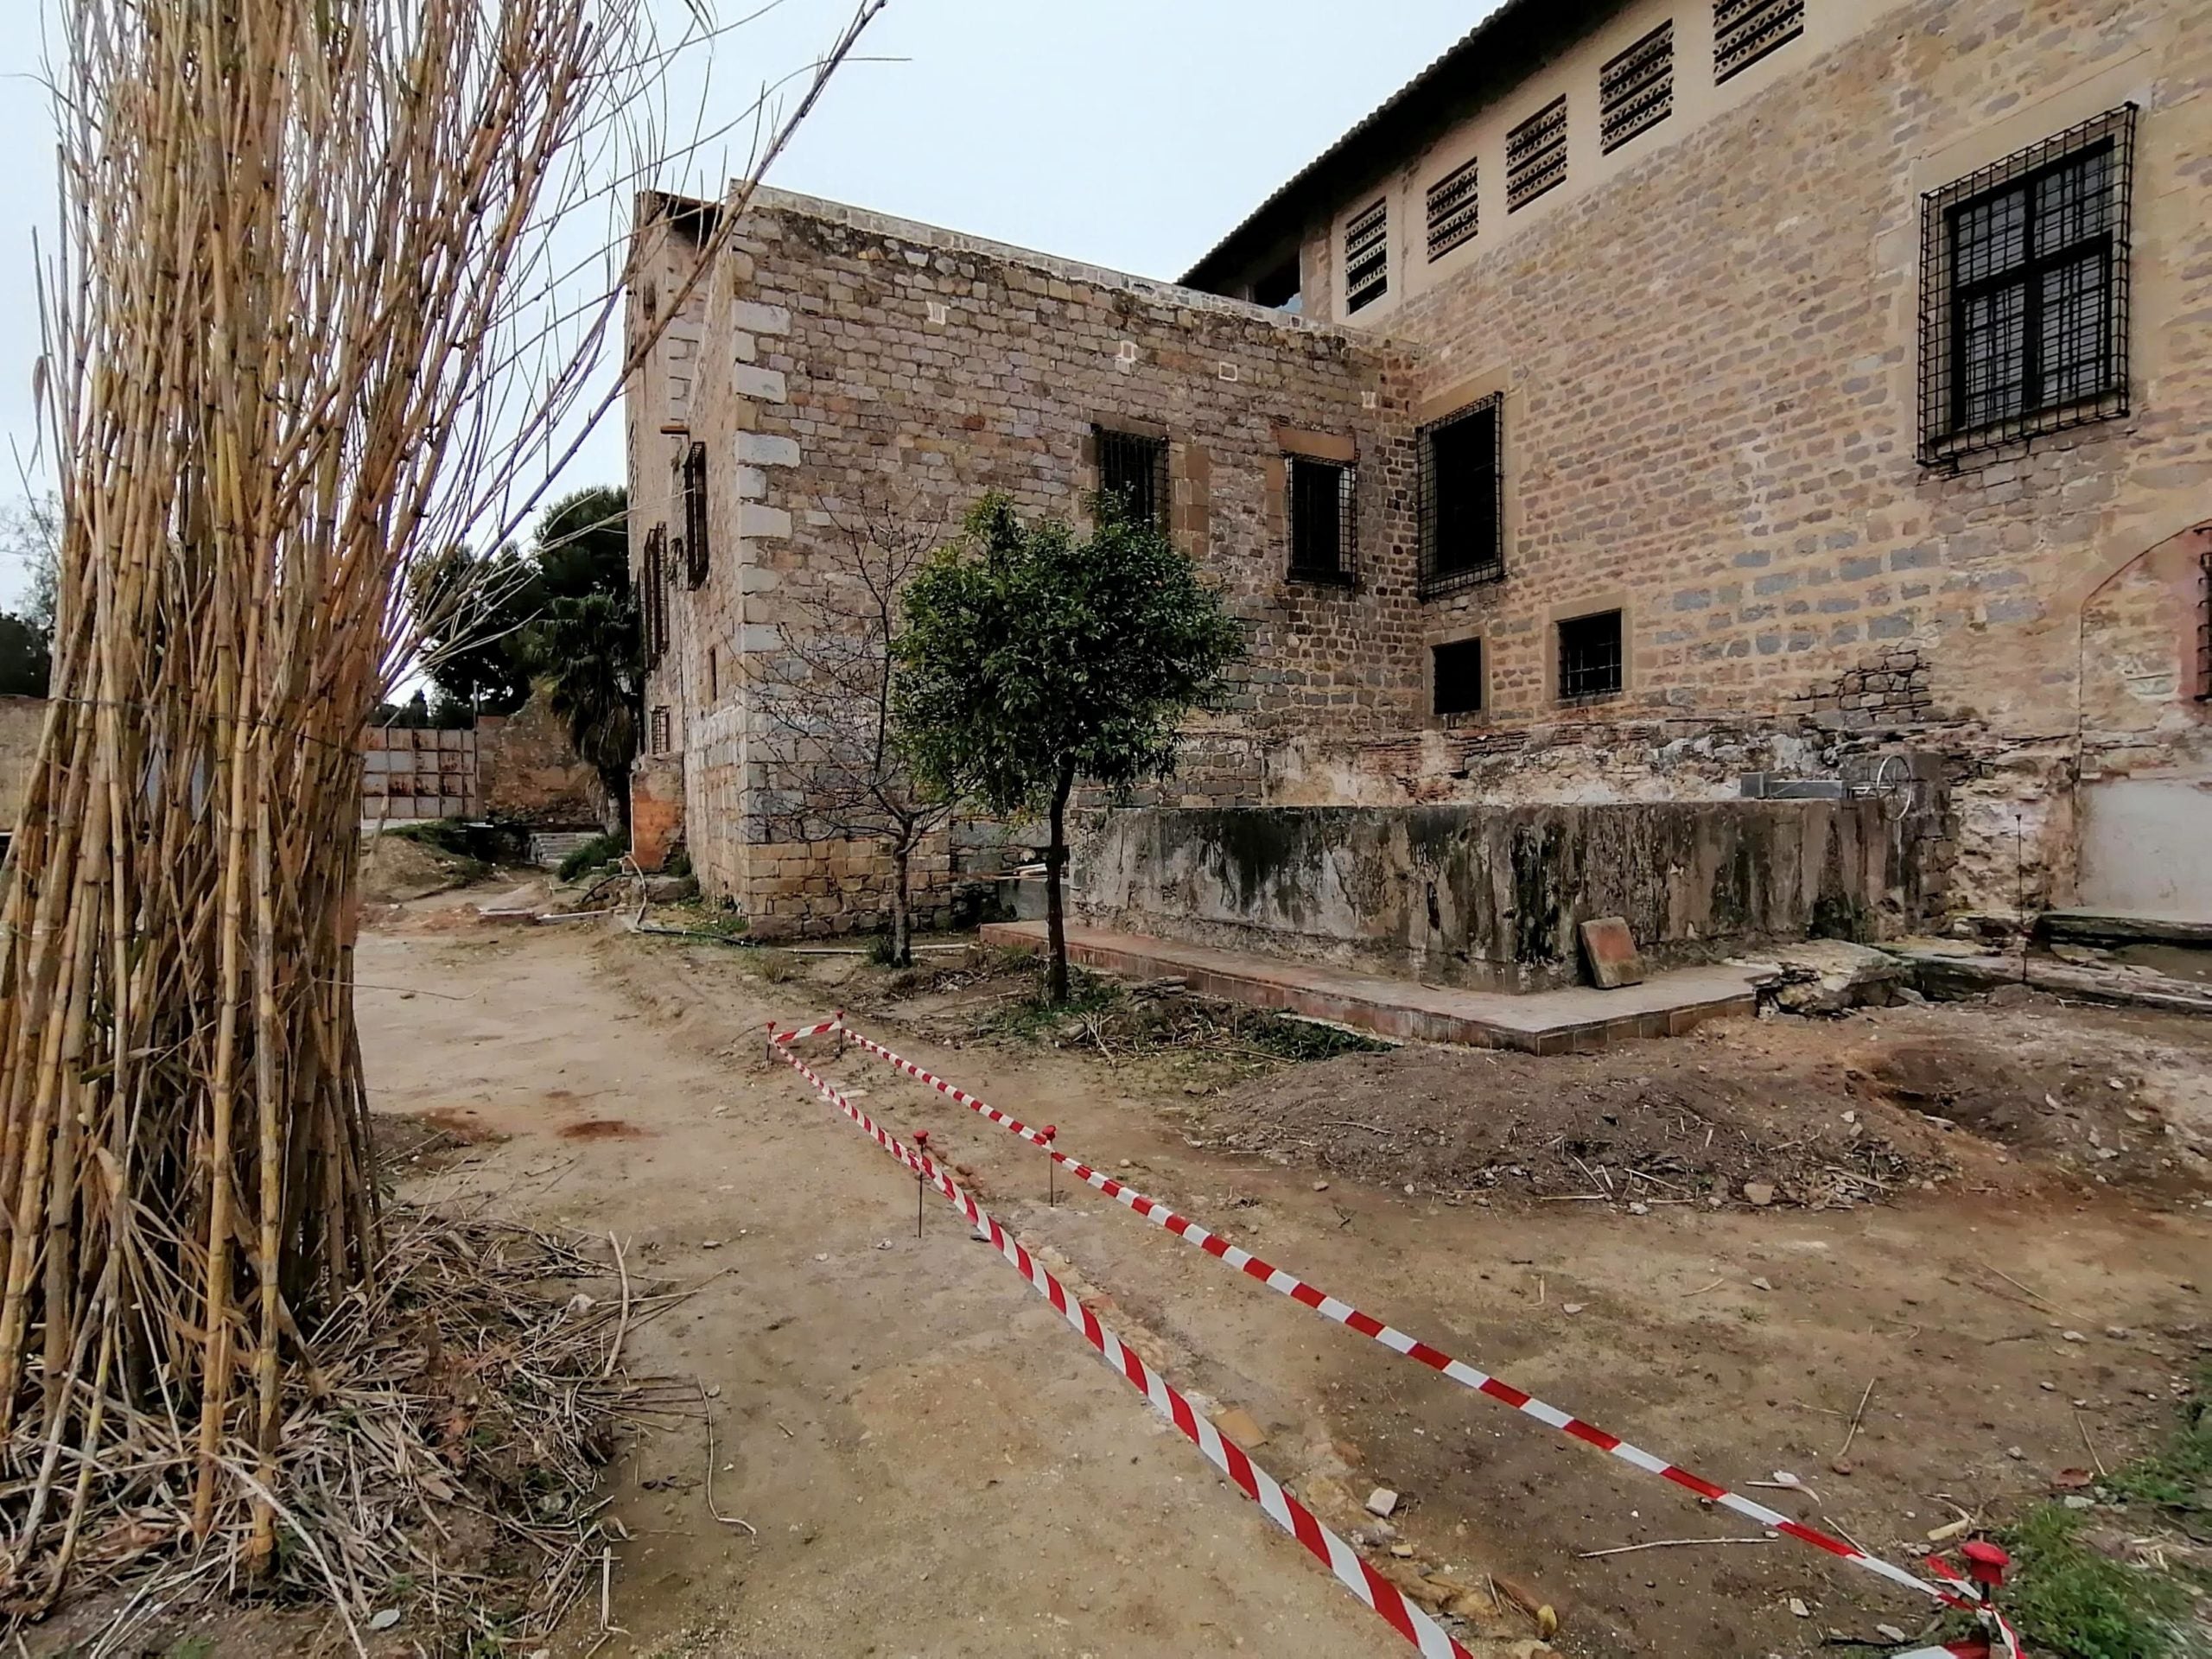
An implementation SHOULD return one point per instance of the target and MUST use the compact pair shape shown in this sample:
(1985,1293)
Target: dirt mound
(1650,1125)
(395,868)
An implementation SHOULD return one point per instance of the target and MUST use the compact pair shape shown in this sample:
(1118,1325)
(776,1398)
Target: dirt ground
(935,1465)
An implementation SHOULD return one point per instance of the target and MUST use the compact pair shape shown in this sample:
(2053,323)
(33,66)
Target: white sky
(1132,135)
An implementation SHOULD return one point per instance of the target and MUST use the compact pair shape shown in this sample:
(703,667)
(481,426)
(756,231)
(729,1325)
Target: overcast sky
(1132,135)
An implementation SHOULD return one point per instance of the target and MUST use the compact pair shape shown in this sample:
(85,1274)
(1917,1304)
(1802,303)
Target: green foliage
(1033,655)
(594,679)
(473,609)
(583,544)
(599,850)
(447,834)
(1303,1040)
(2072,1602)
(2177,1478)
(26,658)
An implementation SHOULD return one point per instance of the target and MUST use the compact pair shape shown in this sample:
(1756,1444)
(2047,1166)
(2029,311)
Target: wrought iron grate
(1456,674)
(695,515)
(1590,657)
(1367,255)
(653,602)
(1536,155)
(2024,302)
(2204,634)
(1324,525)
(1463,500)
(1635,91)
(1744,31)
(661,734)
(1133,474)
(1452,215)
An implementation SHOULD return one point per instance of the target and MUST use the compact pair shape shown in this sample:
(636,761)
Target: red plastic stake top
(1986,1563)
(1047,1131)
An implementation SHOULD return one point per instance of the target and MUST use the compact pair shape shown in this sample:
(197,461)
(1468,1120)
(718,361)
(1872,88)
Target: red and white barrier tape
(1286,1511)
(1330,1307)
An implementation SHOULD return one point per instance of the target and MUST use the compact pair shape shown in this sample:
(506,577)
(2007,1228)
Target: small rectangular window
(1133,474)
(1367,255)
(1590,657)
(1451,211)
(1536,155)
(695,515)
(1321,521)
(714,675)
(2204,634)
(1463,500)
(1456,671)
(2023,292)
(1635,91)
(661,733)
(1744,31)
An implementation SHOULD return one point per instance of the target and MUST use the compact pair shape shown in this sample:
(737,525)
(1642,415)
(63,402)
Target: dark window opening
(653,602)
(1367,255)
(714,675)
(1590,657)
(1462,499)
(1322,527)
(1535,155)
(2204,636)
(1744,31)
(1133,475)
(695,515)
(1457,672)
(1637,89)
(2024,293)
(662,728)
(1453,216)
(1279,288)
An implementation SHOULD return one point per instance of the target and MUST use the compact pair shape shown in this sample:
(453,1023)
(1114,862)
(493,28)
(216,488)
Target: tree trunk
(1056,863)
(902,906)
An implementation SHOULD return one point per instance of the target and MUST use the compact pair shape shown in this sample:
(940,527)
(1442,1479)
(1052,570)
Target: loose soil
(935,1465)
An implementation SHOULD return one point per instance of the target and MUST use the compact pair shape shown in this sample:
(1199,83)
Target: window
(1367,255)
(1279,288)
(2204,635)
(1456,672)
(1462,499)
(661,729)
(1535,155)
(695,515)
(1133,471)
(652,601)
(1590,657)
(1321,519)
(714,675)
(1637,89)
(2024,293)
(1451,211)
(1744,31)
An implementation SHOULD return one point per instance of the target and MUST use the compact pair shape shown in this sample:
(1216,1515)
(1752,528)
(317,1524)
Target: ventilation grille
(1744,31)
(1367,255)
(1637,89)
(1451,211)
(1535,155)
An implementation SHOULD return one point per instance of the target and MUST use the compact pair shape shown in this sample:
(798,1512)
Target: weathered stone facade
(1707,347)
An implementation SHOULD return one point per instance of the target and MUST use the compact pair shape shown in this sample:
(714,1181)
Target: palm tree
(594,683)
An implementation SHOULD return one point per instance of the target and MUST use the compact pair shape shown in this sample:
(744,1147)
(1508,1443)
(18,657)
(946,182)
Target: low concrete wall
(1490,897)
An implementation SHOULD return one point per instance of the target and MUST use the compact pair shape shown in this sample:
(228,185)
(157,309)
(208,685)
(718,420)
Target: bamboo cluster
(282,334)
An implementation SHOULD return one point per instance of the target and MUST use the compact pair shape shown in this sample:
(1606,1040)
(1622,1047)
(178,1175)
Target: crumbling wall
(1490,897)
(525,771)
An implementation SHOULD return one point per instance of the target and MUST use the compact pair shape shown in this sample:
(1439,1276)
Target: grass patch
(599,849)
(1030,1018)
(705,916)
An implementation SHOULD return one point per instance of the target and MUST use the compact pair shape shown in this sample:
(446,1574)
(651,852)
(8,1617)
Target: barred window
(2024,293)
(1635,91)
(1590,657)
(1535,155)
(1322,525)
(1456,677)
(1744,31)
(1132,474)
(1367,255)
(695,515)
(662,730)
(1463,500)
(1451,211)
(652,598)
(2204,634)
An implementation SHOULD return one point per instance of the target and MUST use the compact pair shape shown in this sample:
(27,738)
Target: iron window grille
(1535,155)
(1453,211)
(1456,673)
(2204,635)
(1463,499)
(1635,91)
(1590,657)
(1133,474)
(1744,31)
(695,515)
(1324,523)
(1367,255)
(652,600)
(2023,296)
(662,730)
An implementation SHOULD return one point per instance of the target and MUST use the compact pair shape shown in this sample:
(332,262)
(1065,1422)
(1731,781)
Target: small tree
(829,702)
(1034,656)
(585,646)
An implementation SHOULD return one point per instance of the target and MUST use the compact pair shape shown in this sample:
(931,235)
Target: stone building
(1652,401)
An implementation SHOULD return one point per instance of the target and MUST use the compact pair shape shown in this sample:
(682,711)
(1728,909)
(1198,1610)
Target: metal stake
(1044,1136)
(922,1142)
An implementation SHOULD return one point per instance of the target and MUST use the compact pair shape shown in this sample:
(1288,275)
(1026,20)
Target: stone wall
(527,771)
(1490,897)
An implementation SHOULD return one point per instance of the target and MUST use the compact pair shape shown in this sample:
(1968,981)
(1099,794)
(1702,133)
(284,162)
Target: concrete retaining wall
(1490,897)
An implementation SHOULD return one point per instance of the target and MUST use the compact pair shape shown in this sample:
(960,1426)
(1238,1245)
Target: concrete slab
(2123,927)
(1543,1022)
(1610,948)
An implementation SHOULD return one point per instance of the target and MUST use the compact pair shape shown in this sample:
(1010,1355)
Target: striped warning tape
(1965,1596)
(1286,1511)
